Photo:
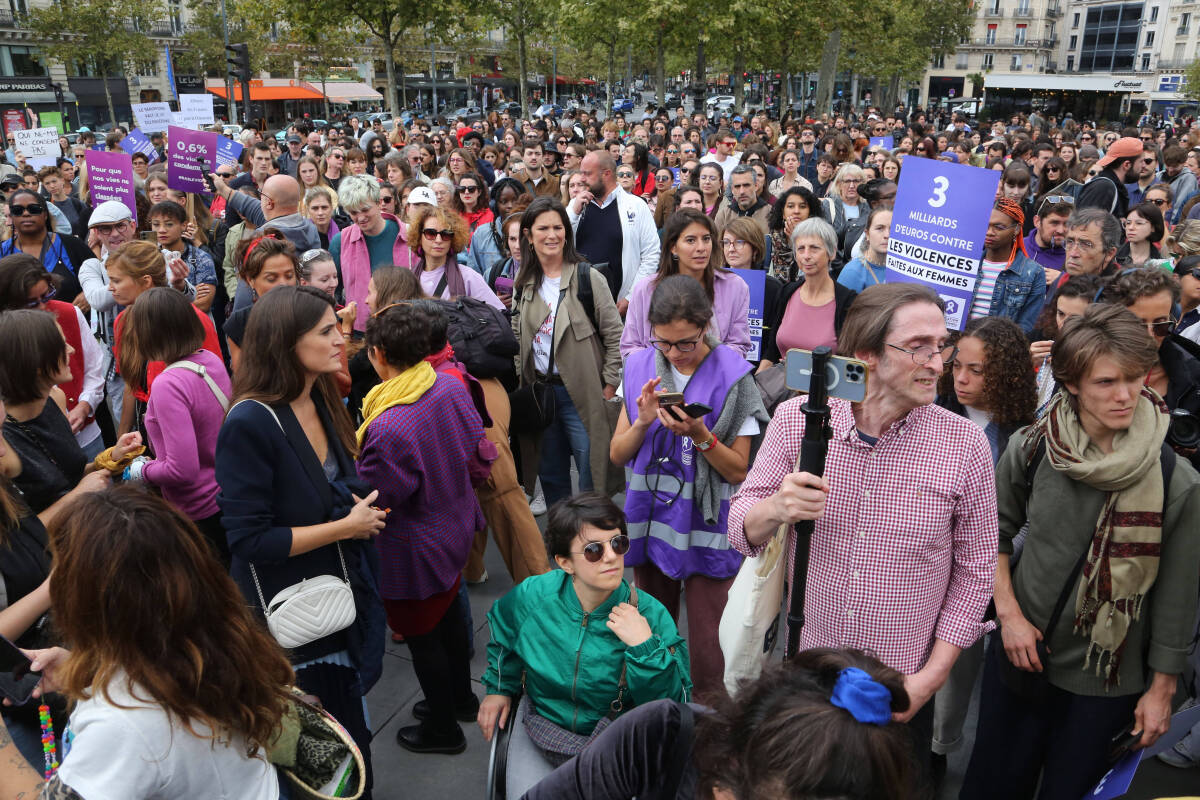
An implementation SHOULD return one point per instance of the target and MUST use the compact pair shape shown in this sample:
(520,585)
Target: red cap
(1125,147)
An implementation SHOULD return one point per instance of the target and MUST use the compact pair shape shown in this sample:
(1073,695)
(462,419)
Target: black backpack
(481,336)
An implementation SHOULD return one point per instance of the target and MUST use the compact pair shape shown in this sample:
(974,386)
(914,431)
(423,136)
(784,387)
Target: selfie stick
(813,448)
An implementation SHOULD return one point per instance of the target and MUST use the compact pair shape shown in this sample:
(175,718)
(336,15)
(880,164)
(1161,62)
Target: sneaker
(538,504)
(483,577)
(1180,755)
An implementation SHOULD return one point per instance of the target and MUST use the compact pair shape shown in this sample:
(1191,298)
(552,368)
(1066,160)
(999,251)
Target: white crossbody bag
(313,608)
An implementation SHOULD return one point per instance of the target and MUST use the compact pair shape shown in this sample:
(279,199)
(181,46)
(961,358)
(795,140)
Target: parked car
(512,109)
(719,102)
(384,117)
(469,113)
(623,104)
(548,110)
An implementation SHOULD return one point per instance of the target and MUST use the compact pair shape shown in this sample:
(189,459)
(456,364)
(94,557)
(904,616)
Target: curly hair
(1130,285)
(1008,380)
(775,220)
(445,220)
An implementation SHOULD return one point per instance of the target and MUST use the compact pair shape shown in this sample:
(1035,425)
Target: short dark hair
(680,298)
(532,143)
(169,209)
(1152,214)
(262,147)
(19,273)
(567,518)
(400,333)
(1103,329)
(34,349)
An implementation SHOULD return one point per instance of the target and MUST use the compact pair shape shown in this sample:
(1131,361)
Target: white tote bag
(750,623)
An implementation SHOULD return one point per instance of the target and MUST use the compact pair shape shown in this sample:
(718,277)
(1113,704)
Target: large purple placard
(190,156)
(110,176)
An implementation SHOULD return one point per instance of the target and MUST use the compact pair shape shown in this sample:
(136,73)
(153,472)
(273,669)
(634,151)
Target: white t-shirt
(136,753)
(543,340)
(980,417)
(986,287)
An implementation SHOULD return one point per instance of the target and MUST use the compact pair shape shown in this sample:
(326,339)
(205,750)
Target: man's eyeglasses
(923,354)
(683,345)
(594,551)
(108,228)
(1084,245)
(672,152)
(1161,327)
(433,233)
(33,209)
(43,299)
(624,174)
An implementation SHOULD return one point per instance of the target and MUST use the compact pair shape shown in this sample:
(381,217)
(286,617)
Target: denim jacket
(1020,292)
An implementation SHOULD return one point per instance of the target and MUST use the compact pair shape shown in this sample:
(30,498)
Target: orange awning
(270,93)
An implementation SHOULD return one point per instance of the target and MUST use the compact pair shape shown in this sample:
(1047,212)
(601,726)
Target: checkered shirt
(906,549)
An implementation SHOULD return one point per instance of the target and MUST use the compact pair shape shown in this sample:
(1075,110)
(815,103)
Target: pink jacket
(356,263)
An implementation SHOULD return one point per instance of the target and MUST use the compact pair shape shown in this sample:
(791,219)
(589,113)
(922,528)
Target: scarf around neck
(1122,559)
(404,389)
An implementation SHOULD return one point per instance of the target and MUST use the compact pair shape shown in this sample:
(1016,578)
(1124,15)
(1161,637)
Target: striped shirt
(986,288)
(906,549)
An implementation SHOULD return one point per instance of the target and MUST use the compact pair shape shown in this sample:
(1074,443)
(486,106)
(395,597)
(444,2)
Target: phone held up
(669,401)
(845,378)
(17,679)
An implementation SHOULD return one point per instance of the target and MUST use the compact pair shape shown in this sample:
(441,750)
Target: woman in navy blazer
(290,498)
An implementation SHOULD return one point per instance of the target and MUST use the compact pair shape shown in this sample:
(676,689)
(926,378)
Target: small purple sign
(138,142)
(110,176)
(229,152)
(190,156)
(886,142)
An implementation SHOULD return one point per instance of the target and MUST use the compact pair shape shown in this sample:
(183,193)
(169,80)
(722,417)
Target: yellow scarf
(404,389)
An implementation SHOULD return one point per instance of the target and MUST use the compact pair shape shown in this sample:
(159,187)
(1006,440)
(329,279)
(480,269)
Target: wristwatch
(706,446)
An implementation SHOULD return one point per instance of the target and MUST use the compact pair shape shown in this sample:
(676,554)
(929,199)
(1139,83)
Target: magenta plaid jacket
(906,550)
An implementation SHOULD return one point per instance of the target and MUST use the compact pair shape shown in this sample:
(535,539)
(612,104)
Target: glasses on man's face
(46,297)
(671,152)
(33,210)
(923,354)
(594,551)
(624,174)
(1147,138)
(1161,327)
(1087,137)
(108,228)
(685,171)
(1083,245)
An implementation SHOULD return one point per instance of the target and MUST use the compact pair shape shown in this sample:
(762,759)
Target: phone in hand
(1123,742)
(845,378)
(666,399)
(695,410)
(17,678)
(149,236)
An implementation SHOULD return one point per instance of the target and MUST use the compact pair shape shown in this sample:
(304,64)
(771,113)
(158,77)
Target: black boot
(420,739)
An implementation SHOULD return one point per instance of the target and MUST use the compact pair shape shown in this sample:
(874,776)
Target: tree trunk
(403,87)
(699,81)
(325,96)
(823,103)
(112,112)
(612,56)
(389,62)
(660,71)
(739,82)
(522,90)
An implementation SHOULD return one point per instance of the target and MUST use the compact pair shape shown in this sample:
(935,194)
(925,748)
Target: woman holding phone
(683,460)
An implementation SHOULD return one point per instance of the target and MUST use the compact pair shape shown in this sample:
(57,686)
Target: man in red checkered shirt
(904,549)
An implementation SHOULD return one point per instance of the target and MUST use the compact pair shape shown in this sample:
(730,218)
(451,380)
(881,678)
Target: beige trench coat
(586,359)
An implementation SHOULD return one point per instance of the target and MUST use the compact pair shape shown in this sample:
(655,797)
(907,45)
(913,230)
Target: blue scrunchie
(866,699)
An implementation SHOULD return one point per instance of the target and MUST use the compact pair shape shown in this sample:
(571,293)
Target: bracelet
(706,446)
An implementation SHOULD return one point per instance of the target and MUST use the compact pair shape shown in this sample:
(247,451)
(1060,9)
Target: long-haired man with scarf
(1102,600)
(1011,284)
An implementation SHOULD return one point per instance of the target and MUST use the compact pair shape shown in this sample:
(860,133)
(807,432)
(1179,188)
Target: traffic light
(238,57)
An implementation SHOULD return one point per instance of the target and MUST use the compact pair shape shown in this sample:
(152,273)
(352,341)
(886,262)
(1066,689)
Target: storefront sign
(110,176)
(190,156)
(941,216)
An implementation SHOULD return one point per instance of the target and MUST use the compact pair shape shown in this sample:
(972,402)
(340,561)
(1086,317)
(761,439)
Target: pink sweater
(183,417)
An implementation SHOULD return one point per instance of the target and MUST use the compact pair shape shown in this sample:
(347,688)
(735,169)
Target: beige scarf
(1122,561)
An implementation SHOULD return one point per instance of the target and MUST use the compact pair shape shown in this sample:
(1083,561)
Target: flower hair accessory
(866,699)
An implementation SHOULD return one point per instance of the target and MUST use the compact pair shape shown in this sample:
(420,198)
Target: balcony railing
(993,12)
(1011,41)
(1023,12)
(1054,11)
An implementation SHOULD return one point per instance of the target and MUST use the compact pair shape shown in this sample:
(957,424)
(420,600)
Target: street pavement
(401,775)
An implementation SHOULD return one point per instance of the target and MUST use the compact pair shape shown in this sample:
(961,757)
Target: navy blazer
(272,481)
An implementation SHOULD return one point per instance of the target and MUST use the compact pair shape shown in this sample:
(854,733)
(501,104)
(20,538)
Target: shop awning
(1067,83)
(346,92)
(269,89)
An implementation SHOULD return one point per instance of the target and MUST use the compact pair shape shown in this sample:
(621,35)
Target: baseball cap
(422,195)
(11,179)
(1125,147)
(293,139)
(108,212)
(737,119)
(83,129)
(1186,264)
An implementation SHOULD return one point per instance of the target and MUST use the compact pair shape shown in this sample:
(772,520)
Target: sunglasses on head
(33,209)
(594,551)
(43,299)
(434,233)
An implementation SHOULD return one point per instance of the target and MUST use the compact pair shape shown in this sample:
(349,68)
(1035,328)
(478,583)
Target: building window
(21,62)
(987,60)
(1185,20)
(962,61)
(175,9)
(939,61)
(1020,38)
(1145,62)
(991,35)
(1149,38)
(1075,23)
(993,7)
(1074,42)
(1111,34)
(147,69)
(1154,14)
(19,8)
(1023,8)
(1016,63)
(1070,63)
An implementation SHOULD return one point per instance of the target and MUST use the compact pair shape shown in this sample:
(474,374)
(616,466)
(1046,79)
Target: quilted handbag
(311,609)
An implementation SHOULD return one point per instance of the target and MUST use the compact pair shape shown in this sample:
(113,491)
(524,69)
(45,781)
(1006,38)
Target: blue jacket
(1020,292)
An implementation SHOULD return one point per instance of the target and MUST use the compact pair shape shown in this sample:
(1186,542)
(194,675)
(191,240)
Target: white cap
(108,212)
(422,194)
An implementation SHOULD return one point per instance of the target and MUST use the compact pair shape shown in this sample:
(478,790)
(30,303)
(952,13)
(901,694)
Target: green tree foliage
(104,33)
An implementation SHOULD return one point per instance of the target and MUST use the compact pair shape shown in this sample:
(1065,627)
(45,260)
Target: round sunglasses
(594,551)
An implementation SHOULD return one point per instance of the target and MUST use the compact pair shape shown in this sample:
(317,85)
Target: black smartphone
(17,679)
(1121,744)
(694,410)
(206,174)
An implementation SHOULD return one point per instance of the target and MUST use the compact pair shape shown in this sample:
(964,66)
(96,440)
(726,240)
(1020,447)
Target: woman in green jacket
(582,643)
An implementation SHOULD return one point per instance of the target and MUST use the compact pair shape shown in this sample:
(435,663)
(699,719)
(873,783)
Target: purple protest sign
(886,142)
(190,156)
(110,176)
(138,142)
(940,218)
(228,151)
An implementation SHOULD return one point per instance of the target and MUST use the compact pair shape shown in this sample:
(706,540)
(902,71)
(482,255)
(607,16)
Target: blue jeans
(565,438)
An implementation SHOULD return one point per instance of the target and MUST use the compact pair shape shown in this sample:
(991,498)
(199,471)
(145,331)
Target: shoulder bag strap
(441,287)
(681,752)
(199,369)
